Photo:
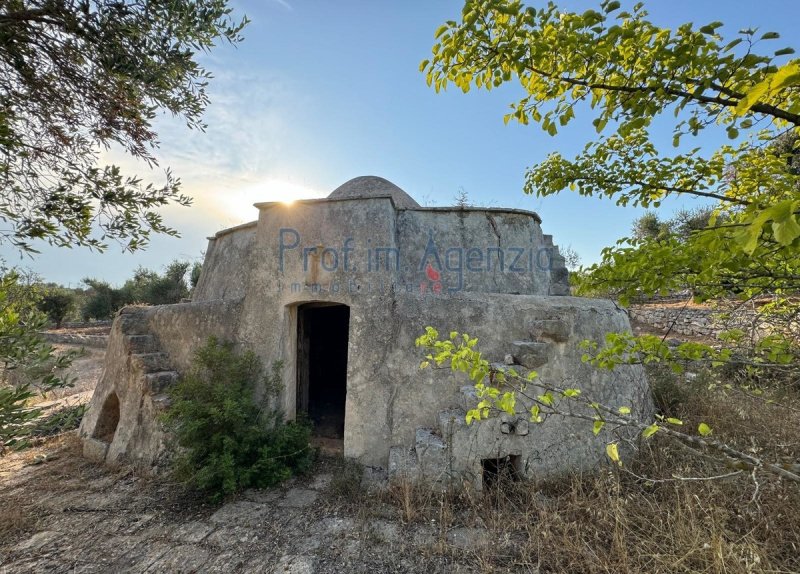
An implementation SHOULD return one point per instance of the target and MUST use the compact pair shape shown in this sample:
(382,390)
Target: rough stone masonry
(338,289)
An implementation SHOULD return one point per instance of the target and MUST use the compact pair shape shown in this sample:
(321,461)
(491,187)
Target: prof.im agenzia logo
(440,268)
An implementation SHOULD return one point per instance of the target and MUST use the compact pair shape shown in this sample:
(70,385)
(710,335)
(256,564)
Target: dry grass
(618,522)
(18,519)
(19,498)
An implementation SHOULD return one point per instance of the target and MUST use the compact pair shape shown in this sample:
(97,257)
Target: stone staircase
(454,450)
(143,369)
(154,365)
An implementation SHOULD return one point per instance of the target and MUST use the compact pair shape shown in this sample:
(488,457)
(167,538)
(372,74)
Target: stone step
(151,362)
(531,354)
(427,438)
(450,421)
(432,453)
(551,329)
(141,343)
(159,381)
(132,320)
(402,460)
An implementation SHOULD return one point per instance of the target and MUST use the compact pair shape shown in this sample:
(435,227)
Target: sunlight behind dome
(239,203)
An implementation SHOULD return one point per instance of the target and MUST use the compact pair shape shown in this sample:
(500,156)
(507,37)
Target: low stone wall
(694,321)
(96,341)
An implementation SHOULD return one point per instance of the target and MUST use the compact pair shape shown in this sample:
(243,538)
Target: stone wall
(77,339)
(705,322)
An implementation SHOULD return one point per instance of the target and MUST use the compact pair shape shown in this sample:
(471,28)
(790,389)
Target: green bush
(229,440)
(28,364)
(56,304)
(146,286)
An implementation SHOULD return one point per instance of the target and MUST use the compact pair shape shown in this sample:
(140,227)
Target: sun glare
(239,204)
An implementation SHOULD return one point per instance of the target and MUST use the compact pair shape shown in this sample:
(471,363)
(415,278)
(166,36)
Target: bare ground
(69,515)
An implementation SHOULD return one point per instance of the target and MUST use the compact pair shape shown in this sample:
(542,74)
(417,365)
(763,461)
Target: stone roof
(367,186)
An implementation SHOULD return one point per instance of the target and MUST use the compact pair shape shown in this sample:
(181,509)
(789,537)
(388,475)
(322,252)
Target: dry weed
(647,517)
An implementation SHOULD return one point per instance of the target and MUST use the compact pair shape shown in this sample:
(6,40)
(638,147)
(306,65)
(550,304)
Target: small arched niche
(108,420)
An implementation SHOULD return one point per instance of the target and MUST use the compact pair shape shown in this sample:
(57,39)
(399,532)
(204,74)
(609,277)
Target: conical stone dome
(367,186)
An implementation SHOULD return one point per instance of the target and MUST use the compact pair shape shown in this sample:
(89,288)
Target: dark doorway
(500,471)
(108,420)
(322,336)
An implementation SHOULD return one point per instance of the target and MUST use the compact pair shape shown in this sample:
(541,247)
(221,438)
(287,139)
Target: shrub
(229,440)
(28,364)
(56,304)
(146,287)
(103,300)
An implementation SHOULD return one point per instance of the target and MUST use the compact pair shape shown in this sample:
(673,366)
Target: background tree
(22,349)
(77,76)
(145,287)
(625,73)
(56,303)
(194,276)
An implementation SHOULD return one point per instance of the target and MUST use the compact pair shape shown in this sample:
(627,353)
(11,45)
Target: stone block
(552,329)
(95,449)
(531,354)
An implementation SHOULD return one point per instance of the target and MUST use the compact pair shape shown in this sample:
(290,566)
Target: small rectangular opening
(322,346)
(497,471)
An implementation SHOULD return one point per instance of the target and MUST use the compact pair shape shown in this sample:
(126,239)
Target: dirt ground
(62,513)
(66,514)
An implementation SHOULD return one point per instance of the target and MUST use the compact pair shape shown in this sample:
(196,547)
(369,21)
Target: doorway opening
(108,420)
(322,344)
(501,471)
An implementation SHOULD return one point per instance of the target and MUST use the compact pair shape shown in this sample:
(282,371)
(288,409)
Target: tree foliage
(229,440)
(23,350)
(515,391)
(625,72)
(146,287)
(631,78)
(56,303)
(79,76)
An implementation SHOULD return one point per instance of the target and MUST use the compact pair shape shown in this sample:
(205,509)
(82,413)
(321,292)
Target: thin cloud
(284,4)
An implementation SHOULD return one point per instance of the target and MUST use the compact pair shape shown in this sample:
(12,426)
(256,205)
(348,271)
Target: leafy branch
(504,389)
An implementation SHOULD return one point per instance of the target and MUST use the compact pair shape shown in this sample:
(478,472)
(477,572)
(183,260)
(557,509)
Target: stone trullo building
(338,289)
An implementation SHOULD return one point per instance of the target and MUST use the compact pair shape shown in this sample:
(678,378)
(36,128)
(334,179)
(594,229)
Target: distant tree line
(100,300)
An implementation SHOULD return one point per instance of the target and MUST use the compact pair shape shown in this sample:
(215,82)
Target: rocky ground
(62,513)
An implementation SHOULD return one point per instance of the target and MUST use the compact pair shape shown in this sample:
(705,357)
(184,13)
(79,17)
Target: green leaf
(786,76)
(709,28)
(650,431)
(597,427)
(624,410)
(704,429)
(786,231)
(613,453)
(674,421)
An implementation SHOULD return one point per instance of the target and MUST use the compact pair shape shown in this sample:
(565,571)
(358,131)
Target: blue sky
(320,92)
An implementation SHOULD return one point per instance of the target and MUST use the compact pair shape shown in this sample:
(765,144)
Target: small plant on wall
(230,435)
